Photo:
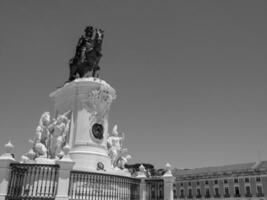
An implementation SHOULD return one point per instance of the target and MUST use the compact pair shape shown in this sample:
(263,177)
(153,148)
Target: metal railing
(95,186)
(155,189)
(32,181)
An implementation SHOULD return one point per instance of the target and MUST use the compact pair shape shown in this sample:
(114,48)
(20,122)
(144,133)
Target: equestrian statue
(87,55)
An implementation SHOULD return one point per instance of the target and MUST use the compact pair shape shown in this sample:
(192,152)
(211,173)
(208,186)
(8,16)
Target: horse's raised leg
(73,71)
(93,73)
(80,72)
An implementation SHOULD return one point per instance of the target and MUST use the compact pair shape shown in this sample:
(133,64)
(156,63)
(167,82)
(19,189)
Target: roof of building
(221,170)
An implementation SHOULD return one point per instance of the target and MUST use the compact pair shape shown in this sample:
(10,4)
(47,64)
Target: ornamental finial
(168,172)
(66,149)
(9,147)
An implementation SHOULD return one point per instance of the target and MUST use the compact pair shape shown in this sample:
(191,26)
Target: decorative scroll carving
(99,97)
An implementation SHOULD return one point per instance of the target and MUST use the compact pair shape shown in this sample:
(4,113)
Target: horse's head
(89,30)
(99,36)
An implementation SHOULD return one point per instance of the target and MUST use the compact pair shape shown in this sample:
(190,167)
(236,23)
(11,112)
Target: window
(175,194)
(259,191)
(198,193)
(247,180)
(207,193)
(190,196)
(206,182)
(226,192)
(258,179)
(248,191)
(189,183)
(182,184)
(182,193)
(236,180)
(225,181)
(217,194)
(198,183)
(237,192)
(216,182)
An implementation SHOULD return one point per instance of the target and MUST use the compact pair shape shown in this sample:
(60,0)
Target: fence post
(168,179)
(65,166)
(141,175)
(5,160)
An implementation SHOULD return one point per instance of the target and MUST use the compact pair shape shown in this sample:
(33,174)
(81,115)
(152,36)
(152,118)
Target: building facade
(240,181)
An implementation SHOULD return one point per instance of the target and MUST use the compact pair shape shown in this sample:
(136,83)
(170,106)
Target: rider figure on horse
(87,55)
(85,43)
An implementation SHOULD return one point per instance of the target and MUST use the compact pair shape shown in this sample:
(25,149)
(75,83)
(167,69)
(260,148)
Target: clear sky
(190,75)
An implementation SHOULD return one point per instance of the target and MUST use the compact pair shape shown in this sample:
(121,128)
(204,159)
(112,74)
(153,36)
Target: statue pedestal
(86,102)
(5,161)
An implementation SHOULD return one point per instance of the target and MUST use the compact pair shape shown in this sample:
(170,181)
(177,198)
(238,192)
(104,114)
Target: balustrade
(32,181)
(96,186)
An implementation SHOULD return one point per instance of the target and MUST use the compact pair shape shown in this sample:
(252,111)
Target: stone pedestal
(142,190)
(86,102)
(66,165)
(168,179)
(168,187)
(141,175)
(5,161)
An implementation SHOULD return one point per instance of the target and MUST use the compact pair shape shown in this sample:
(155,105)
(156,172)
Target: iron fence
(155,189)
(95,186)
(32,181)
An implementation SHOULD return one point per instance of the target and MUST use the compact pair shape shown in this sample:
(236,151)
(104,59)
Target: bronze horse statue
(87,55)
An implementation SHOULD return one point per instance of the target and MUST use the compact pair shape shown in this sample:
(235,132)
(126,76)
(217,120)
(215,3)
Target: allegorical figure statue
(87,55)
(122,161)
(115,146)
(42,135)
(50,137)
(58,136)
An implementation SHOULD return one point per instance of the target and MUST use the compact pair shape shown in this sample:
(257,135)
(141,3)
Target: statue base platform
(88,158)
(41,160)
(87,100)
(112,171)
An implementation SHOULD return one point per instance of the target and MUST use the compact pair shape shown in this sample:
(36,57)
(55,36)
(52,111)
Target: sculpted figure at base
(50,137)
(58,136)
(116,150)
(42,134)
(122,161)
(87,55)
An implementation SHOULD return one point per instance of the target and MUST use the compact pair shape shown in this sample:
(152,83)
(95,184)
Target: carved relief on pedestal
(99,100)
(97,105)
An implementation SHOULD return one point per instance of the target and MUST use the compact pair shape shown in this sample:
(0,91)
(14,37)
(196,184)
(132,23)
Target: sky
(190,75)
